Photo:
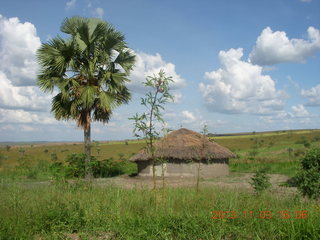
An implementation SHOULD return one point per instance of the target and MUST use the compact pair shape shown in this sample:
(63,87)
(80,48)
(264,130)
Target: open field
(280,151)
(35,205)
(82,211)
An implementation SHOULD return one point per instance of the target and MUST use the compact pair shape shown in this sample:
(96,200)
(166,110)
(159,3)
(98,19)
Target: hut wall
(191,169)
(185,169)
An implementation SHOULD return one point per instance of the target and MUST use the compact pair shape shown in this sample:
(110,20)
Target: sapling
(154,101)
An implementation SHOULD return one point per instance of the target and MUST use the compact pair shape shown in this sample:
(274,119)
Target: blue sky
(238,65)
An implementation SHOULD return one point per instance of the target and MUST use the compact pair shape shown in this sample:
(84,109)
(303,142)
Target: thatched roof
(184,144)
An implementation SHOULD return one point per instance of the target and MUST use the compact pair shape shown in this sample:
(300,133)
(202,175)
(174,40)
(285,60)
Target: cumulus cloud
(240,87)
(299,111)
(18,45)
(275,47)
(313,95)
(98,12)
(70,4)
(28,98)
(188,117)
(21,116)
(147,65)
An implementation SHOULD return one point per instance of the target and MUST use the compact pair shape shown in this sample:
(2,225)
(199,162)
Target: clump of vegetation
(260,181)
(76,167)
(52,211)
(154,101)
(308,179)
(54,157)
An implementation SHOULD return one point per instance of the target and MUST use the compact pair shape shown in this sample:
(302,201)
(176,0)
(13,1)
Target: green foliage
(308,179)
(89,70)
(52,211)
(86,70)
(54,157)
(154,101)
(76,167)
(260,181)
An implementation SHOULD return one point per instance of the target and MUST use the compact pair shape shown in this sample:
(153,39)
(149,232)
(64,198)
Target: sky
(237,66)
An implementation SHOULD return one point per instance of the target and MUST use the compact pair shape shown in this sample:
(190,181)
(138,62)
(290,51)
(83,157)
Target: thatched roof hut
(184,146)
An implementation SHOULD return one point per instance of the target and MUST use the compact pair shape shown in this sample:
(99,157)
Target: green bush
(106,168)
(260,181)
(308,179)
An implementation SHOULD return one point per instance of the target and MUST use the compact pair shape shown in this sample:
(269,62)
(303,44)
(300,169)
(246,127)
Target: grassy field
(279,151)
(31,209)
(77,210)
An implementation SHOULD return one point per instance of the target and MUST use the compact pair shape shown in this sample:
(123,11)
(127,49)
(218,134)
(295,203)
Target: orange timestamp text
(284,214)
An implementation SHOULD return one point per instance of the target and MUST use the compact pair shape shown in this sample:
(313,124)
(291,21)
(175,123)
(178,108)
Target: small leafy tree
(260,181)
(154,101)
(308,179)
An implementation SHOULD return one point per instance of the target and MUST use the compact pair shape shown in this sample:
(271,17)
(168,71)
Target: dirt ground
(232,181)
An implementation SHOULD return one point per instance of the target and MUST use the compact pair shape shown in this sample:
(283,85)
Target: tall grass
(53,211)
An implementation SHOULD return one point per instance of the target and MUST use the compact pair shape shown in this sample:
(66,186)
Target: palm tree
(89,69)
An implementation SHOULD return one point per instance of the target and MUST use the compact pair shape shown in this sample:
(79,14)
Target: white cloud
(188,117)
(147,65)
(300,112)
(70,4)
(98,12)
(18,45)
(21,116)
(306,1)
(275,47)
(28,98)
(177,97)
(240,87)
(313,95)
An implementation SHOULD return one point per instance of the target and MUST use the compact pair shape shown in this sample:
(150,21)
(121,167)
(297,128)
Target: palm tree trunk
(87,150)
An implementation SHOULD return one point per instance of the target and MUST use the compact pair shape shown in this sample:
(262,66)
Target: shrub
(260,181)
(54,157)
(308,179)
(105,168)
(57,170)
(76,167)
